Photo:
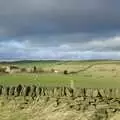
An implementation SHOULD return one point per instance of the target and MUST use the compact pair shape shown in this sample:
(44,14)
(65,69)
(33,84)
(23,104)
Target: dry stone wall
(35,91)
(104,102)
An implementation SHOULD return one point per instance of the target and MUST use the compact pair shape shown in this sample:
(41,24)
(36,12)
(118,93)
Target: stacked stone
(12,91)
(1,88)
(36,91)
(6,90)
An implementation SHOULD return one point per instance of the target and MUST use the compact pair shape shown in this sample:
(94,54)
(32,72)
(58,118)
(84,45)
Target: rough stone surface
(6,91)
(1,87)
(95,93)
(96,104)
(19,90)
(89,92)
(36,91)
(69,92)
(26,91)
(33,91)
(12,90)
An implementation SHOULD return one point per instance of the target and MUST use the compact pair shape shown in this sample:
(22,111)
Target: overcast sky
(59,29)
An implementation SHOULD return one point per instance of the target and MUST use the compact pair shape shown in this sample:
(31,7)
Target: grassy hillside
(86,73)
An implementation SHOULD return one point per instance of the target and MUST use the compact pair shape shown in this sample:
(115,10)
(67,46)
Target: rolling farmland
(84,73)
(94,94)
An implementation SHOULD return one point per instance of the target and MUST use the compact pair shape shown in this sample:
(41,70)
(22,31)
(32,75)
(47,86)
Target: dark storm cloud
(59,29)
(34,17)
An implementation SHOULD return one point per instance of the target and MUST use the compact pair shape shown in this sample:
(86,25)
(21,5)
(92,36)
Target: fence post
(72,85)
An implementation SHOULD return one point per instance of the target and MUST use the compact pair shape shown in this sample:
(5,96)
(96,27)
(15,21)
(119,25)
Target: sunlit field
(93,74)
(83,74)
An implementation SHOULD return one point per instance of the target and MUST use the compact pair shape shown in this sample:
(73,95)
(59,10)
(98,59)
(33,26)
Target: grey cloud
(95,49)
(28,17)
(59,29)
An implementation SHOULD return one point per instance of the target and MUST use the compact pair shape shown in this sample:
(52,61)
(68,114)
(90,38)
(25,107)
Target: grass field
(88,74)
(99,74)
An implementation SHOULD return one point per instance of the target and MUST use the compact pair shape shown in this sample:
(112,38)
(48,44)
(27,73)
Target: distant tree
(34,69)
(65,72)
(52,70)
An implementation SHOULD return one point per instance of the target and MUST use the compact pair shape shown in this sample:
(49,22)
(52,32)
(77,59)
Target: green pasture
(88,78)
(80,80)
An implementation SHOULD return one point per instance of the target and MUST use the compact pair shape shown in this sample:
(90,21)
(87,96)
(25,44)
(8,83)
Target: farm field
(85,74)
(89,74)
